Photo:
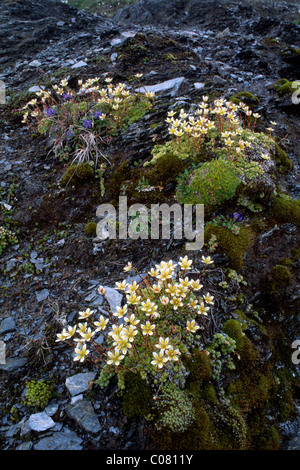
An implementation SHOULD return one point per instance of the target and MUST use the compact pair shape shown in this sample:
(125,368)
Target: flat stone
(40,422)
(113,297)
(7,325)
(25,446)
(172,84)
(63,440)
(199,85)
(35,63)
(83,413)
(35,89)
(79,64)
(13,363)
(114,57)
(294,444)
(42,295)
(51,409)
(79,383)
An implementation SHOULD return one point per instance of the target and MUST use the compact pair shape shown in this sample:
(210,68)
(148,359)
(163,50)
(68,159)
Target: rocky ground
(184,49)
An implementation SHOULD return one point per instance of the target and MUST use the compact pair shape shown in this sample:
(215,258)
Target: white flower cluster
(136,328)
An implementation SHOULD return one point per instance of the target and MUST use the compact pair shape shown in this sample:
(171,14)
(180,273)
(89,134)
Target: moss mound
(77,174)
(284,163)
(285,209)
(281,277)
(90,229)
(234,246)
(212,184)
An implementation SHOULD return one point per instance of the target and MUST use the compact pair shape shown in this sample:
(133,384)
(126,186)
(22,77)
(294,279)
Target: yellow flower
(133,299)
(121,311)
(114,357)
(131,288)
(101,324)
(207,260)
(192,326)
(164,300)
(129,332)
(148,328)
(121,285)
(165,274)
(163,343)
(101,290)
(196,285)
(193,303)
(185,263)
(71,331)
(153,272)
(88,312)
(172,289)
(62,336)
(176,302)
(202,310)
(87,335)
(147,306)
(81,352)
(172,354)
(208,298)
(128,267)
(81,327)
(159,359)
(116,330)
(185,282)
(122,345)
(156,288)
(132,320)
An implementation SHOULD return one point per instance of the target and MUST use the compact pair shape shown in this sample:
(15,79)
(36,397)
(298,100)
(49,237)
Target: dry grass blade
(90,151)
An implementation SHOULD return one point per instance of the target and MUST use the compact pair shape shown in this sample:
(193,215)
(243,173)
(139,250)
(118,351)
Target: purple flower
(87,123)
(50,112)
(69,134)
(97,114)
(66,96)
(237,217)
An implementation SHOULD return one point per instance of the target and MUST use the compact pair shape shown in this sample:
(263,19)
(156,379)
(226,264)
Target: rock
(84,415)
(42,295)
(294,444)
(35,63)
(223,34)
(113,297)
(114,57)
(40,422)
(79,383)
(79,64)
(51,409)
(7,325)
(268,234)
(168,85)
(13,363)
(25,446)
(76,399)
(199,85)
(64,440)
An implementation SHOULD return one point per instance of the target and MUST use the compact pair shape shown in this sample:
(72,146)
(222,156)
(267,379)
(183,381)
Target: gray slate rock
(64,440)
(79,383)
(84,415)
(40,422)
(13,363)
(42,295)
(113,297)
(7,325)
(169,85)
